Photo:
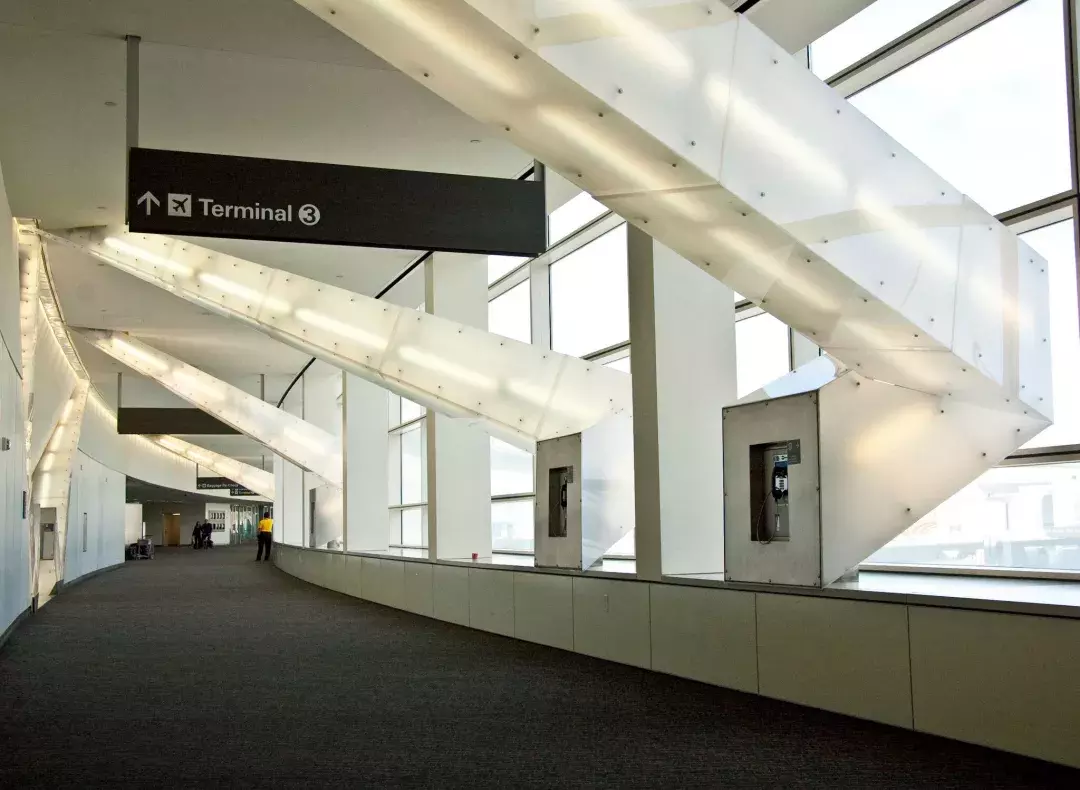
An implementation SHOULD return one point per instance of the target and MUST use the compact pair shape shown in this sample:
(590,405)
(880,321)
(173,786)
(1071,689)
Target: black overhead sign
(180,193)
(215,483)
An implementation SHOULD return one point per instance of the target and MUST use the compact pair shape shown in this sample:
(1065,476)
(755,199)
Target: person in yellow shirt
(266,535)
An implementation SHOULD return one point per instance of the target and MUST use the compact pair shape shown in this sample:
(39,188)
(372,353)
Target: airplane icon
(179,205)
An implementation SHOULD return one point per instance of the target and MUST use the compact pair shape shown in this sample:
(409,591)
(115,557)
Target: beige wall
(1007,681)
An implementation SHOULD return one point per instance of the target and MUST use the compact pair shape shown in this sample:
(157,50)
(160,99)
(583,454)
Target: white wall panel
(491,601)
(97,497)
(704,634)
(419,597)
(353,571)
(847,656)
(1000,680)
(451,588)
(133,522)
(611,620)
(14,529)
(544,609)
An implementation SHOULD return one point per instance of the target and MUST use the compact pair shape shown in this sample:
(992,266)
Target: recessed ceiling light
(101,208)
(474,141)
(110,104)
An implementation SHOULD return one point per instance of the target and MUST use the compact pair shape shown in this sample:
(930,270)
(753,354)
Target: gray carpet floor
(205,669)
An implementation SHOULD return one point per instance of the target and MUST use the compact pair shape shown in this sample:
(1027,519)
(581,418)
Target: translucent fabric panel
(412,466)
(510,314)
(761,352)
(868,31)
(988,111)
(512,525)
(1011,517)
(589,307)
(511,469)
(575,213)
(501,265)
(1057,245)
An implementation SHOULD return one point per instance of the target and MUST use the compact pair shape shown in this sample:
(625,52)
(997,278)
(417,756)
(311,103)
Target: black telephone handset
(780,481)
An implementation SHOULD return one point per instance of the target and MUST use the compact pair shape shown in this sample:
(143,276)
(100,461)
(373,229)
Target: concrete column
(682,340)
(364,448)
(458,455)
(290,504)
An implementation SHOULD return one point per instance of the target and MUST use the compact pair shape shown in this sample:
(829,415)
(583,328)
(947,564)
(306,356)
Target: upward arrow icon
(150,201)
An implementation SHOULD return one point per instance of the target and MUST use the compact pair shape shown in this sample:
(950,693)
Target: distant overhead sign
(181,193)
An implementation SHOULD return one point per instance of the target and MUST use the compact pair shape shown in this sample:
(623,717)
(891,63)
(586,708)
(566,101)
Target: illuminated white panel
(297,440)
(30,265)
(51,481)
(687,120)
(52,386)
(514,390)
(257,480)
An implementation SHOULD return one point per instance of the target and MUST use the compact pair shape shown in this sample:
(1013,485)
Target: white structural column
(367,523)
(306,445)
(682,332)
(459,454)
(516,391)
(51,487)
(246,475)
(30,259)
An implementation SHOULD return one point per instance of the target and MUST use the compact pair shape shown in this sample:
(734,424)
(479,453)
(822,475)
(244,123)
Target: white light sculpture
(514,390)
(686,119)
(291,437)
(259,481)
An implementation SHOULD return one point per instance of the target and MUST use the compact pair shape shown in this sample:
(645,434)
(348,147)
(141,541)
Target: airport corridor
(206,669)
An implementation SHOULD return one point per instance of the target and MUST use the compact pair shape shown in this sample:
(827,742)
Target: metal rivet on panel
(517,57)
(618,90)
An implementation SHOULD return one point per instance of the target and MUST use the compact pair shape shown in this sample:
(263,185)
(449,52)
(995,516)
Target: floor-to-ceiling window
(979,91)
(407,459)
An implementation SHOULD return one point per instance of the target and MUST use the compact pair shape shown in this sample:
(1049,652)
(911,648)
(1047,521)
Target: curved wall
(993,678)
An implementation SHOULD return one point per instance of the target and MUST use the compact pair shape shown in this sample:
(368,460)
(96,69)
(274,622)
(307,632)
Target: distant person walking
(207,528)
(266,535)
(196,535)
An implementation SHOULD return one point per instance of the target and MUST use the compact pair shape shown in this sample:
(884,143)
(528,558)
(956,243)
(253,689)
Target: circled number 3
(309,214)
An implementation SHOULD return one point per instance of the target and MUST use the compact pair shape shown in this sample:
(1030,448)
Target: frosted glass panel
(510,314)
(761,352)
(512,525)
(868,31)
(589,308)
(1011,517)
(1056,244)
(511,469)
(988,111)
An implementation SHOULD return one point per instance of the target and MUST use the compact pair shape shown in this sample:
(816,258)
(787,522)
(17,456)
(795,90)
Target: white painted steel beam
(686,119)
(295,439)
(30,268)
(257,480)
(514,390)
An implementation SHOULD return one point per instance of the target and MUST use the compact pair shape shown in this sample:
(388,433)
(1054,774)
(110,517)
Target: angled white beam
(687,120)
(293,438)
(516,391)
(246,475)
